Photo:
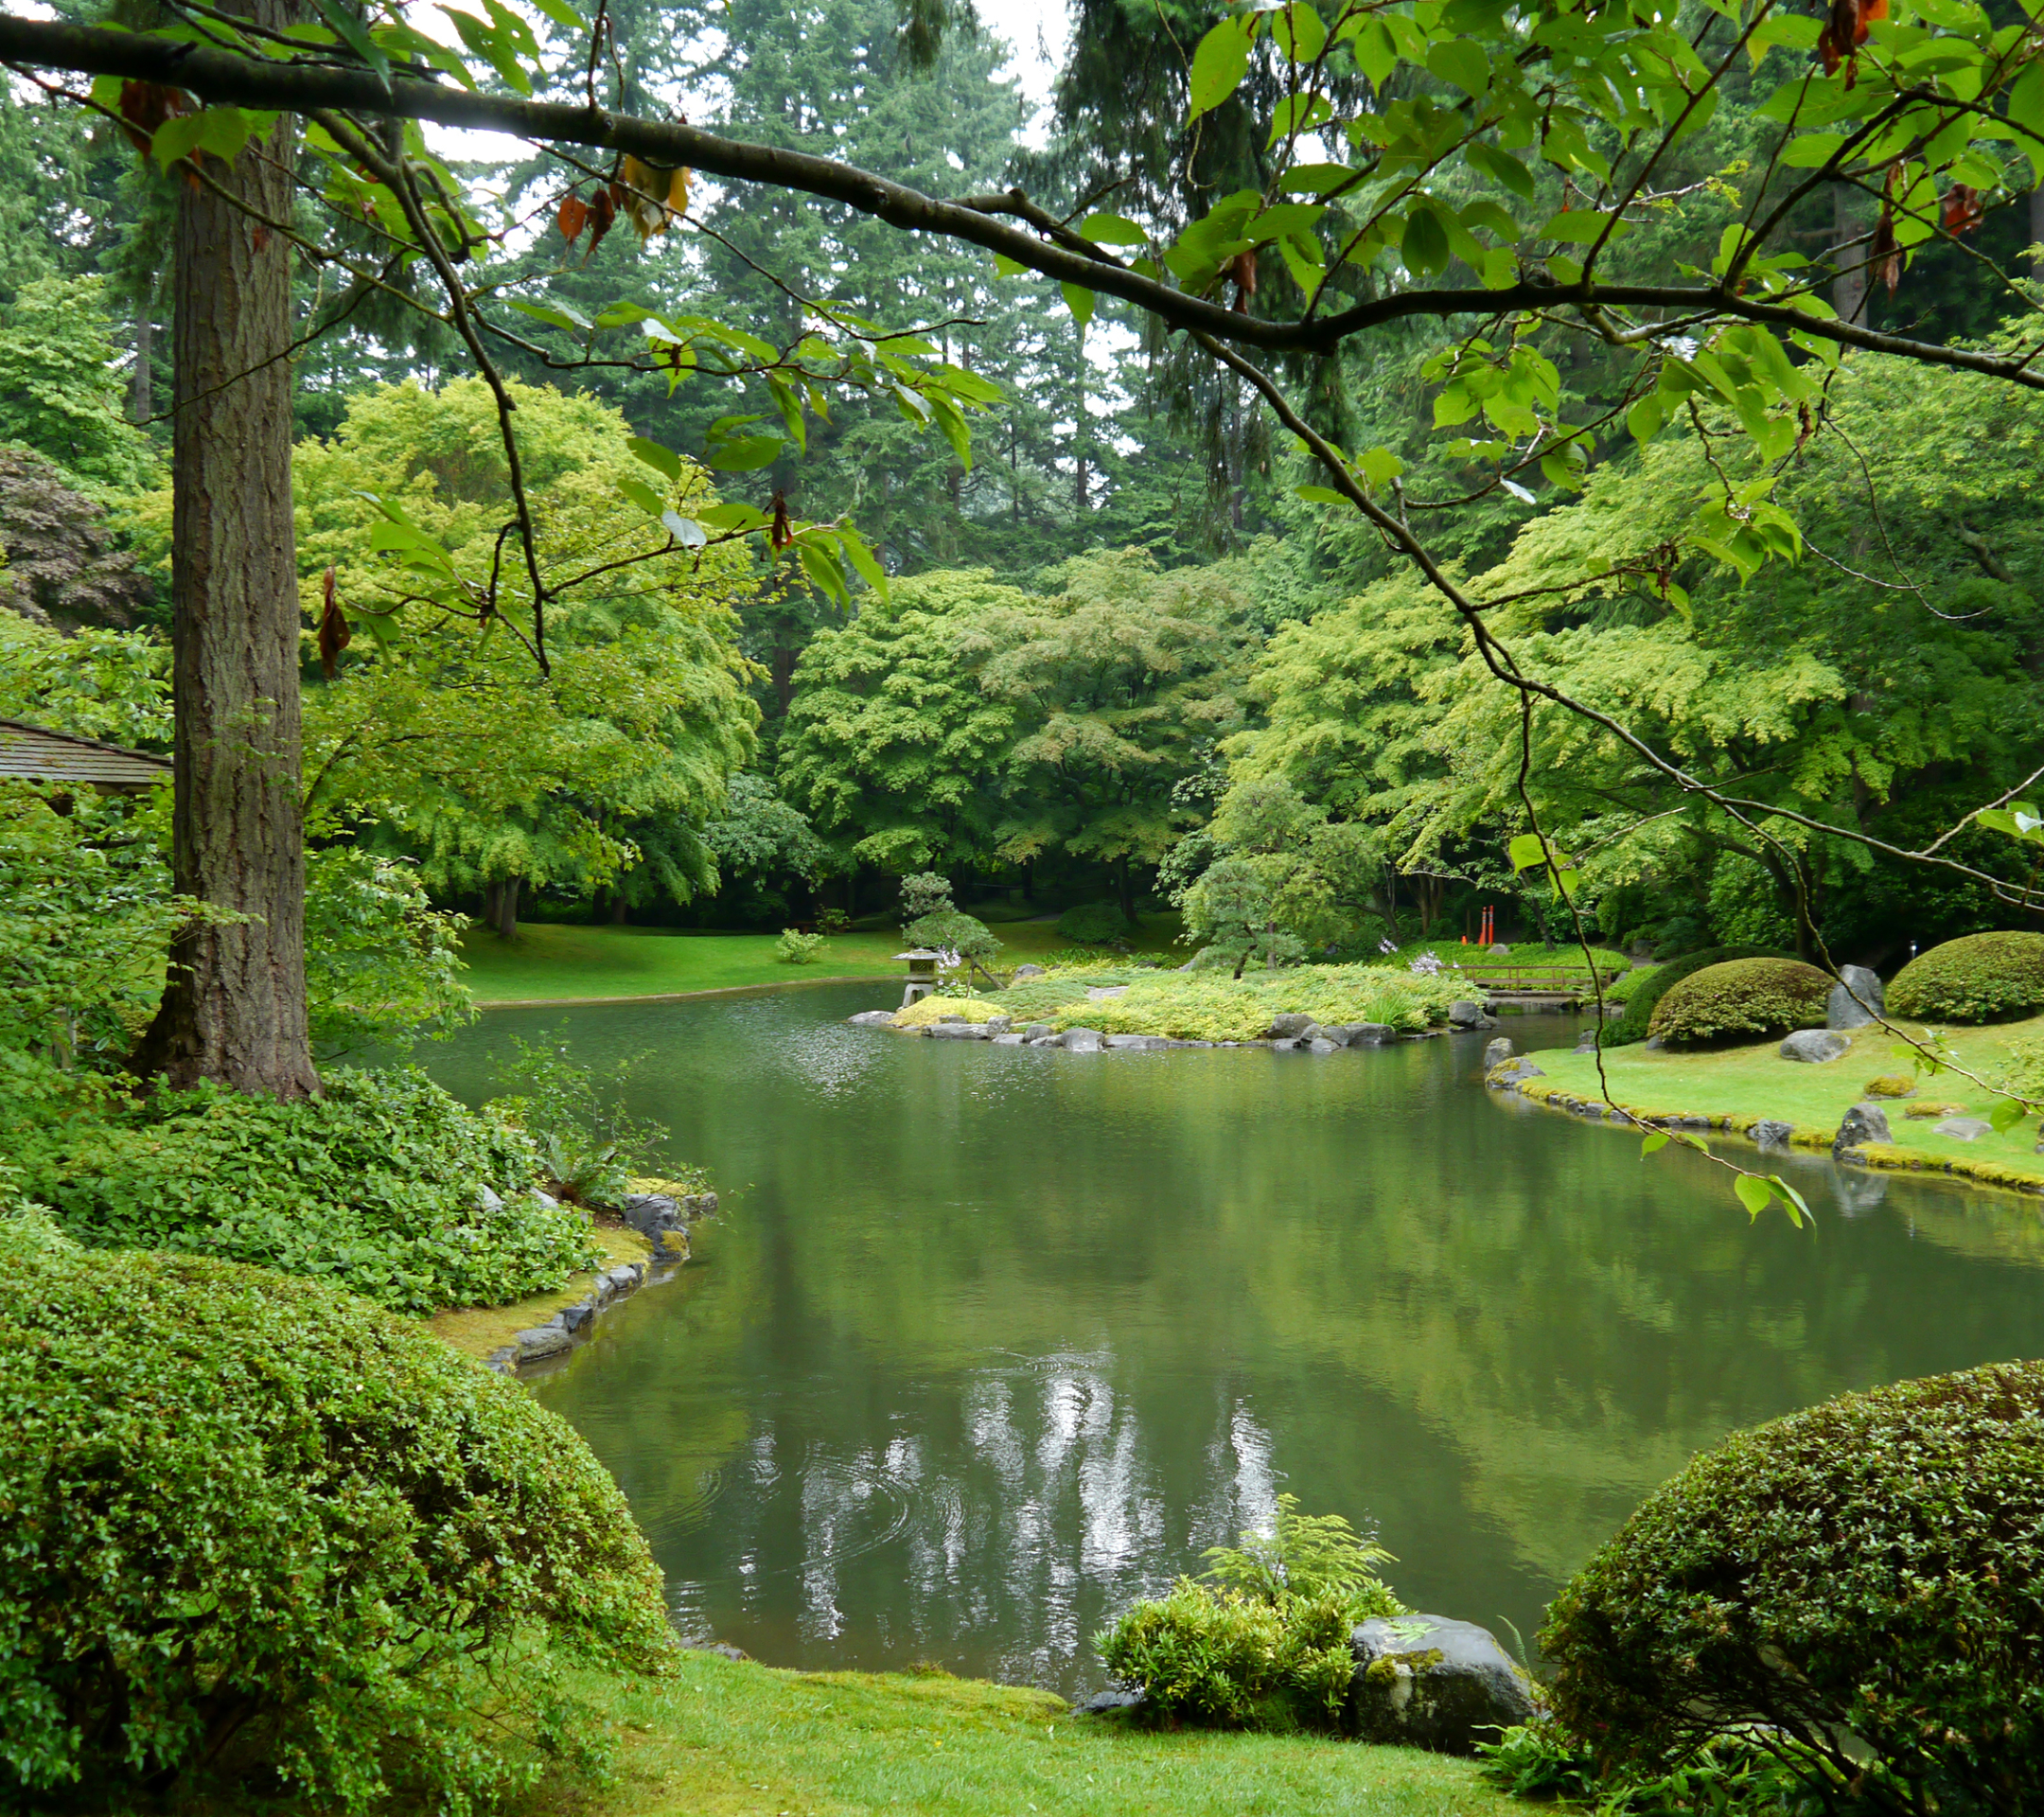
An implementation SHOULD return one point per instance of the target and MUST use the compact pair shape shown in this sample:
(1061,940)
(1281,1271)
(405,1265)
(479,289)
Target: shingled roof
(38,754)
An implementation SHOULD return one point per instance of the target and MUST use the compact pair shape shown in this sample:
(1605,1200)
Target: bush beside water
(1642,989)
(251,1522)
(1750,996)
(1874,1565)
(1267,1645)
(372,1187)
(1977,978)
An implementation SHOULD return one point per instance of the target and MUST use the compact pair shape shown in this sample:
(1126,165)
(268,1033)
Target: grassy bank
(725,1738)
(476,1331)
(1741,1085)
(553,962)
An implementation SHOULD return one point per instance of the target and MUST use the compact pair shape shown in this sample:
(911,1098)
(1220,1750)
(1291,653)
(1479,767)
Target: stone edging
(1890,1157)
(664,1222)
(1309,1038)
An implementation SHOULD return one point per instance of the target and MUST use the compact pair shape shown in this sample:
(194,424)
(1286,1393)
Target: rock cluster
(1293,1030)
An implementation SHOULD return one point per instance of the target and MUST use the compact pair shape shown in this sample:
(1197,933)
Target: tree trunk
(1125,888)
(500,905)
(233,1009)
(617,912)
(1848,290)
(141,381)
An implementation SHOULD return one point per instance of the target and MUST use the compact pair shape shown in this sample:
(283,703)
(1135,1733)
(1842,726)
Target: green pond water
(987,1342)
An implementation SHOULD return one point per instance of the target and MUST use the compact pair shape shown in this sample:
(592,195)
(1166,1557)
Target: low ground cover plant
(795,947)
(1872,1567)
(373,1187)
(1748,997)
(589,1145)
(1266,1643)
(1209,1006)
(256,1528)
(1979,978)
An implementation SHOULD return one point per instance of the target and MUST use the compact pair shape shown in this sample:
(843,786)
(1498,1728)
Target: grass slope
(554,962)
(724,1739)
(476,1331)
(1749,1083)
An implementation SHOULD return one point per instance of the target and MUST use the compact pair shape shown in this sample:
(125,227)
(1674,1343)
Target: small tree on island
(1233,911)
(930,918)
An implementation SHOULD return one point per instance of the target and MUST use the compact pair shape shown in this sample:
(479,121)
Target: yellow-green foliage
(1892,1084)
(1973,979)
(1743,996)
(1209,1006)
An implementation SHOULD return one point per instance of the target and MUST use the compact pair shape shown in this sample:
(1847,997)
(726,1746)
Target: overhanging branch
(225,77)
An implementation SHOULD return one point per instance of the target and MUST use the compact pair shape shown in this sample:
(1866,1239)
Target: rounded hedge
(1872,1568)
(1644,990)
(1094,924)
(1972,979)
(248,1523)
(1755,997)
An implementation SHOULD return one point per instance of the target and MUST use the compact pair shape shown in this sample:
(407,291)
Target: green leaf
(1221,62)
(732,515)
(1578,227)
(1375,53)
(1658,1139)
(1381,466)
(177,138)
(1320,495)
(1812,150)
(953,424)
(1753,1194)
(791,409)
(664,460)
(821,568)
(745,454)
(1646,417)
(1079,301)
(562,14)
(1424,247)
(643,495)
(1526,851)
(1461,64)
(557,314)
(1501,166)
(1112,230)
(350,30)
(686,531)
(862,558)
(1299,31)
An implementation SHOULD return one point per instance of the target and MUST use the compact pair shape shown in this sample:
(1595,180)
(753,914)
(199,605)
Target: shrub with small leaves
(373,1186)
(1642,989)
(251,1522)
(1872,1568)
(1094,924)
(1269,1648)
(1743,996)
(795,947)
(1977,978)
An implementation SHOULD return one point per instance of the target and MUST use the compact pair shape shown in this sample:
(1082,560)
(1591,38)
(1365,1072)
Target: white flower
(1683,346)
(1426,965)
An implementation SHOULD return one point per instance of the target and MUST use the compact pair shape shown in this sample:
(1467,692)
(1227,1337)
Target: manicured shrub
(1751,996)
(1872,1567)
(1642,989)
(251,1522)
(1267,1646)
(1094,924)
(1973,979)
(376,1187)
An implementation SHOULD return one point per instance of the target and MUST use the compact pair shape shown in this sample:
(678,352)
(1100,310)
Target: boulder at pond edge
(1427,1682)
(1857,987)
(1815,1045)
(1862,1123)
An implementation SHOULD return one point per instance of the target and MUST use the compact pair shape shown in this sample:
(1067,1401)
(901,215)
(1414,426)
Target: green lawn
(553,962)
(724,1739)
(1755,1081)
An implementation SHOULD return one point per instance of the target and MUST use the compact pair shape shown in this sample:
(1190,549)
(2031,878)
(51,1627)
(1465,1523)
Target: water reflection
(990,1341)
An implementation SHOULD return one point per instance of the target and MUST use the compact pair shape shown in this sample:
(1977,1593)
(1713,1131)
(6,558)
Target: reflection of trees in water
(996,1341)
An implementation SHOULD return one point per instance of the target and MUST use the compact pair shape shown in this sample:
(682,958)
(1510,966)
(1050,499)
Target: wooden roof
(35,753)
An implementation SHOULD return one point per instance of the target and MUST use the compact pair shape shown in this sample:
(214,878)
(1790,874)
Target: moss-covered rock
(1744,997)
(1976,978)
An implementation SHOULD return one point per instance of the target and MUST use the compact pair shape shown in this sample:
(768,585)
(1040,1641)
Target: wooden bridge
(1543,987)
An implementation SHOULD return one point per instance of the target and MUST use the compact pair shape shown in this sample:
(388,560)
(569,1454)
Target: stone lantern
(922,981)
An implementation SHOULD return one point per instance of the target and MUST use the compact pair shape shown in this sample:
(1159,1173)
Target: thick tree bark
(500,907)
(234,1010)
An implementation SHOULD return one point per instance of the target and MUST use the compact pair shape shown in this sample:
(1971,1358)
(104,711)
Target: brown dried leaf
(334,634)
(573,214)
(1961,211)
(144,106)
(602,212)
(781,534)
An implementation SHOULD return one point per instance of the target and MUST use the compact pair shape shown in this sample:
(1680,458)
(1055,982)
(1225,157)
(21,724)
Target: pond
(987,1342)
